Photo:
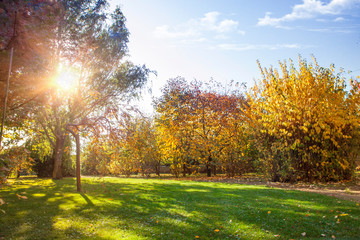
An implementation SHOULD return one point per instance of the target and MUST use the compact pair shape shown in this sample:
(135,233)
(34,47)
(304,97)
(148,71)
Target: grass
(128,208)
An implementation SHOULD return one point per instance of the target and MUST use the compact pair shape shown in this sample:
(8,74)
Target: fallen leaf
(216,230)
(333,237)
(2,211)
(323,235)
(20,196)
(197,237)
(1,202)
(269,212)
(303,234)
(307,215)
(277,235)
(344,214)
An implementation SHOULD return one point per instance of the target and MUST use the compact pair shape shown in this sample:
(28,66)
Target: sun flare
(66,78)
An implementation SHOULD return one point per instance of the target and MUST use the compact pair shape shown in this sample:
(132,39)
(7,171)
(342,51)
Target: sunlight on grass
(120,208)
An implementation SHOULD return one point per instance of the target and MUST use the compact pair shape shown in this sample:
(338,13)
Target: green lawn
(121,208)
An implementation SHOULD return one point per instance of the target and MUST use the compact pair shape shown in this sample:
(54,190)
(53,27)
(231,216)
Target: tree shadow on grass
(156,209)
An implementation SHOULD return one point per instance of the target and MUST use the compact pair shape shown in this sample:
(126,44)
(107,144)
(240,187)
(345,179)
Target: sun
(66,78)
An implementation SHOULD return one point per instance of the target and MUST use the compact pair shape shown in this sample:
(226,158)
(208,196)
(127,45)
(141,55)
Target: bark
(184,170)
(59,147)
(77,141)
(6,96)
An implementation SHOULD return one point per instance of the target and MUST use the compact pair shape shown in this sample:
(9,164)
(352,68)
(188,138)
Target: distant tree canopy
(294,124)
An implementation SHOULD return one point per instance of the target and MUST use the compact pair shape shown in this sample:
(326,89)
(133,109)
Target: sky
(223,39)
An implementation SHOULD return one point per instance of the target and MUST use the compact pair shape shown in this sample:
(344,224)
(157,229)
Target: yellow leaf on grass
(197,237)
(344,214)
(269,212)
(216,230)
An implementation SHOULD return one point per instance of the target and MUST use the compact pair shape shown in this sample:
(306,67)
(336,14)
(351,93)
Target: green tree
(94,42)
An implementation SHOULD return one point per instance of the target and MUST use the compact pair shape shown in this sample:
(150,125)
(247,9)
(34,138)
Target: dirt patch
(347,191)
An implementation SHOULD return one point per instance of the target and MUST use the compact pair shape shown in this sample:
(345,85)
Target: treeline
(296,124)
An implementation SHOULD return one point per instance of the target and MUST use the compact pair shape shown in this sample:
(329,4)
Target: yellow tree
(174,133)
(306,122)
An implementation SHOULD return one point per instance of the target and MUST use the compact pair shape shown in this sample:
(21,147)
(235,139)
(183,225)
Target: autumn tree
(306,122)
(175,136)
(200,125)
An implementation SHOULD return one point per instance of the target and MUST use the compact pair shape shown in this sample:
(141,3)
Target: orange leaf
(197,237)
(20,196)
(216,230)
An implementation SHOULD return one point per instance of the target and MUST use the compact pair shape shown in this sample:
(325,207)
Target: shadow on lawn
(176,210)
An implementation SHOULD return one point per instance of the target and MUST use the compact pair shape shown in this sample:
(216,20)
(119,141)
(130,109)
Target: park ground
(185,208)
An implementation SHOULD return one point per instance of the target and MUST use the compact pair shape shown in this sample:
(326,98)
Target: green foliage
(129,148)
(43,157)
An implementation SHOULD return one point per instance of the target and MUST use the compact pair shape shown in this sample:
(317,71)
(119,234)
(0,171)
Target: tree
(25,28)
(306,123)
(129,147)
(94,42)
(201,126)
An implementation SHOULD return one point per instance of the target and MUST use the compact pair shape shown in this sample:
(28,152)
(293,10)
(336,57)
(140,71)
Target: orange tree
(305,122)
(201,127)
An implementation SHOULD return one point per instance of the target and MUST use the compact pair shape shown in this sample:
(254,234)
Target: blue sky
(222,39)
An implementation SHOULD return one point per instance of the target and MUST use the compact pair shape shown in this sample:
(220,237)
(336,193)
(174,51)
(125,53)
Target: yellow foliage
(310,110)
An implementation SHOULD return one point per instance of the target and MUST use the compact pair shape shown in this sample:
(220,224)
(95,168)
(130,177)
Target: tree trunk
(78,152)
(184,170)
(59,147)
(6,96)
(208,166)
(78,176)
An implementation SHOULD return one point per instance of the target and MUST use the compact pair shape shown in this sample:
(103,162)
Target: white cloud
(210,23)
(164,32)
(308,9)
(246,47)
(339,19)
